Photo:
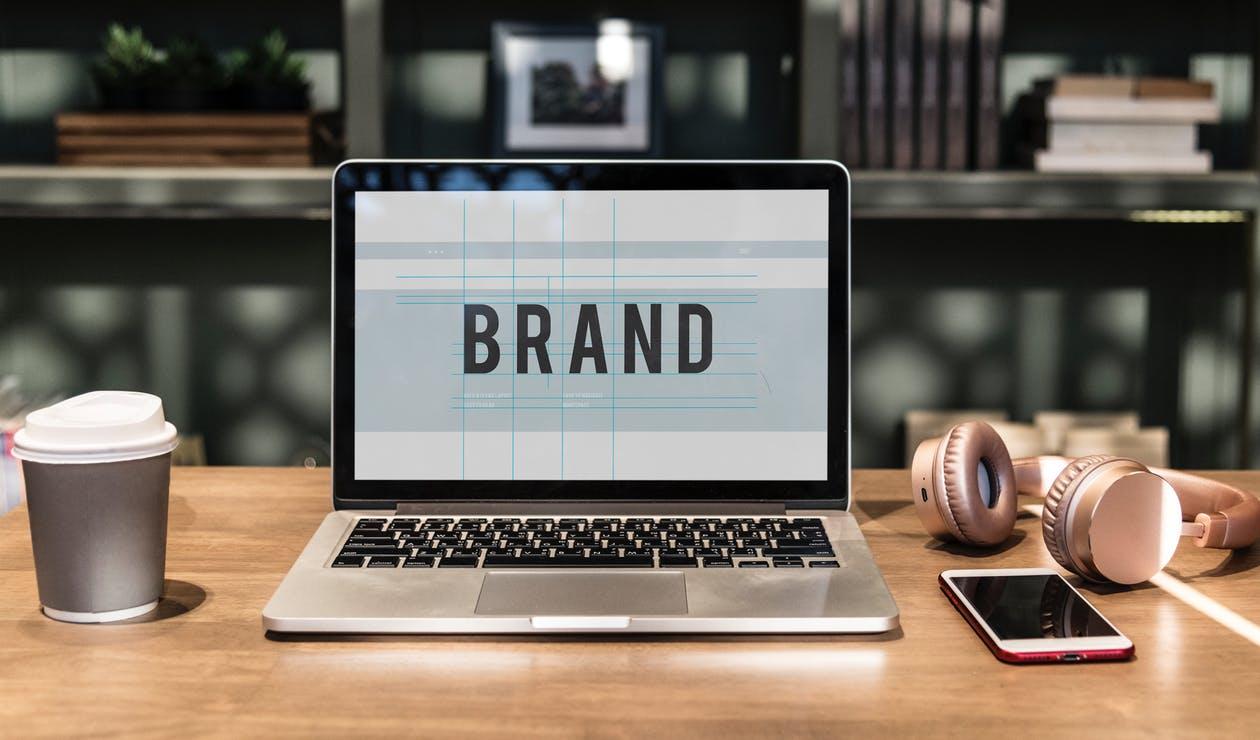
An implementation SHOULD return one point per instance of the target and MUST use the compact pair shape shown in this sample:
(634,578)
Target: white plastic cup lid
(101,426)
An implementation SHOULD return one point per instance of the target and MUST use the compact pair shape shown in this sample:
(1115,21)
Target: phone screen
(1029,607)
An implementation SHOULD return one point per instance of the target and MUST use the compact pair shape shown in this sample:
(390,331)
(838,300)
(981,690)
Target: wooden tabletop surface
(202,665)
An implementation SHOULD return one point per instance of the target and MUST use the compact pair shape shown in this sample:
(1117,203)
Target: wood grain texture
(205,667)
(186,139)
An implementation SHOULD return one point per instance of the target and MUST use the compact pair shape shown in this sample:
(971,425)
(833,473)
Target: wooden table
(203,666)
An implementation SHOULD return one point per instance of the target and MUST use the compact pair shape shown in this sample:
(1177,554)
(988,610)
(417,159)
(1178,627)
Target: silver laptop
(581,396)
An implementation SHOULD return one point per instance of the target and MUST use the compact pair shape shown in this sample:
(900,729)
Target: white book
(1121,138)
(1135,110)
(1196,163)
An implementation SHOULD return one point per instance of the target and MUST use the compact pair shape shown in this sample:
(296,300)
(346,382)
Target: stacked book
(1087,123)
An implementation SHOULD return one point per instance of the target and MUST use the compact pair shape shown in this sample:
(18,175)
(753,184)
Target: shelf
(164,192)
(303,193)
(881,194)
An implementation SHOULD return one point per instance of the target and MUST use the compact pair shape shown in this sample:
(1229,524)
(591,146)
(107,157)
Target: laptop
(589,396)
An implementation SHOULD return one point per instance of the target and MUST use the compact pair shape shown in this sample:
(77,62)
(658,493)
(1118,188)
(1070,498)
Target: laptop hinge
(543,508)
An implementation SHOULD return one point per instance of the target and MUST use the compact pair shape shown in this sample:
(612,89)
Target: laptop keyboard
(643,542)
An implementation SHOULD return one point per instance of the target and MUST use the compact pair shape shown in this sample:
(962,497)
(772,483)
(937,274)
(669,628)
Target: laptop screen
(643,334)
(574,330)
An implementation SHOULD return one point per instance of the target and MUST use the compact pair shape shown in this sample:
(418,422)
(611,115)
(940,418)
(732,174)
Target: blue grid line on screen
(612,422)
(562,366)
(514,337)
(548,313)
(635,398)
(592,275)
(463,381)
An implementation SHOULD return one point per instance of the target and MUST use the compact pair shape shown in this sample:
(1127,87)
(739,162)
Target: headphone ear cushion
(974,457)
(1058,503)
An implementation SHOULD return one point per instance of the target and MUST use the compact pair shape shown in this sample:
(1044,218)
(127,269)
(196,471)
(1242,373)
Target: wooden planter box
(243,139)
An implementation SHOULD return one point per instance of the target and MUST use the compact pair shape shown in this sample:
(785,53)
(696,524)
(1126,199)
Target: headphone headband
(1229,515)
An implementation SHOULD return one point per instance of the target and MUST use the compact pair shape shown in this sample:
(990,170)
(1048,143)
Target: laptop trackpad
(583,594)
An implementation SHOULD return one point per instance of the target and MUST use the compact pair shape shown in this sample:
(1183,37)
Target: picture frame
(583,90)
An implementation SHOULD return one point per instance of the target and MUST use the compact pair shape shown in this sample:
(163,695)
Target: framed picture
(573,91)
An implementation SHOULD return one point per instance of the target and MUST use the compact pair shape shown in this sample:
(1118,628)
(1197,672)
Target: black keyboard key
(360,539)
(348,561)
(743,552)
(468,526)
(823,564)
(430,552)
(376,561)
(458,561)
(806,551)
(629,560)
(418,562)
(717,563)
(677,561)
(566,560)
(753,564)
(788,563)
(709,553)
(562,559)
(508,560)
(374,550)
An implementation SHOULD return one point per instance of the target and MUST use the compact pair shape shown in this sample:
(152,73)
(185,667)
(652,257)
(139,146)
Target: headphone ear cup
(1055,510)
(978,495)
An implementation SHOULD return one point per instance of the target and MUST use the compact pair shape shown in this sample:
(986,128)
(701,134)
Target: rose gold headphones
(1105,518)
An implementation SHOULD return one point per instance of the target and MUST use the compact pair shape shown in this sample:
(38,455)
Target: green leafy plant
(190,62)
(267,76)
(270,62)
(128,58)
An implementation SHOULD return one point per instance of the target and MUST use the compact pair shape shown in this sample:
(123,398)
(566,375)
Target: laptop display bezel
(408,175)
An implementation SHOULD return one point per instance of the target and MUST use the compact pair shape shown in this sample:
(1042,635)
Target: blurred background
(164,219)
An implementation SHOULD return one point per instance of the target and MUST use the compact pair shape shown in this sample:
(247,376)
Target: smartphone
(1032,615)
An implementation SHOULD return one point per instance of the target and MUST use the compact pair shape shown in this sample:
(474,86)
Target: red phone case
(1048,656)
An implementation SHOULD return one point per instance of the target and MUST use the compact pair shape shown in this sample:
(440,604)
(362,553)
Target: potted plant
(268,77)
(189,77)
(125,68)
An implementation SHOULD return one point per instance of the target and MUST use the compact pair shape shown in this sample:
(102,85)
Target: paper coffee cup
(97,470)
